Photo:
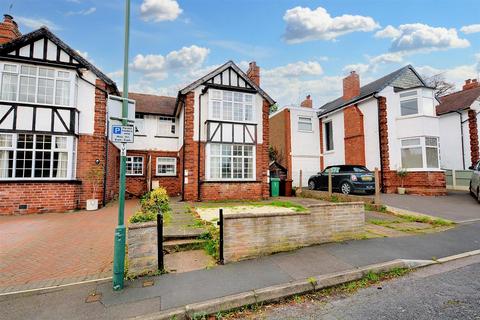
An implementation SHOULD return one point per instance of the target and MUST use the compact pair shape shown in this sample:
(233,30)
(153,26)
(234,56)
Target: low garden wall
(142,248)
(251,235)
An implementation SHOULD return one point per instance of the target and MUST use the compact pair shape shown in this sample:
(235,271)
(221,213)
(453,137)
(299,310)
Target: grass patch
(277,203)
(212,241)
(374,207)
(424,219)
(322,296)
(286,204)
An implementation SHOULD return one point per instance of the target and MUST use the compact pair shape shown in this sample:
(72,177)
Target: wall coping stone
(141,225)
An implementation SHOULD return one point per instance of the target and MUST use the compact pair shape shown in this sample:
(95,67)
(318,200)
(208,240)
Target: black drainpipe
(183,151)
(380,144)
(199,137)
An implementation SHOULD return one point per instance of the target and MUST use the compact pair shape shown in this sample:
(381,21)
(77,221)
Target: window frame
(68,149)
(423,146)
(130,160)
(139,116)
(158,161)
(220,97)
(325,138)
(220,156)
(167,121)
(309,122)
(409,95)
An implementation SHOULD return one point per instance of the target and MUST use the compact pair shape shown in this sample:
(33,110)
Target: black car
(345,179)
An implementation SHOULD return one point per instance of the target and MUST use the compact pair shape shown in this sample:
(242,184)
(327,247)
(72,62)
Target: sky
(302,47)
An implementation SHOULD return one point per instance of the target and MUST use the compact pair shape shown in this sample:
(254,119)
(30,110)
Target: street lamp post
(119,242)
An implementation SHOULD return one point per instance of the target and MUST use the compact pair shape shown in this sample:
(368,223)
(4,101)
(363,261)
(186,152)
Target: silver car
(475,181)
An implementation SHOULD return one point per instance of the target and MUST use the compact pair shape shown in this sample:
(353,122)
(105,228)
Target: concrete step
(172,246)
(176,233)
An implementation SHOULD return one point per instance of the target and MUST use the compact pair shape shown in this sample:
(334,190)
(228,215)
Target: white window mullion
(14,145)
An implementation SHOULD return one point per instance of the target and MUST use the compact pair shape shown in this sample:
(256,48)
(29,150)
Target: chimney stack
(8,29)
(470,84)
(307,103)
(254,72)
(351,86)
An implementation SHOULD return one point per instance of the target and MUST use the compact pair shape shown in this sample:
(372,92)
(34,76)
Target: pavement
(174,290)
(41,250)
(457,206)
(446,291)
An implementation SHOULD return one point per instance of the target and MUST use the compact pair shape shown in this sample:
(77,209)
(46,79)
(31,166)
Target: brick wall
(251,235)
(113,171)
(280,138)
(137,185)
(354,136)
(474,142)
(421,183)
(142,248)
(40,197)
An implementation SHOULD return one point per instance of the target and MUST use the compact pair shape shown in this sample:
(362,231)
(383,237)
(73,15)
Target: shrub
(156,201)
(141,216)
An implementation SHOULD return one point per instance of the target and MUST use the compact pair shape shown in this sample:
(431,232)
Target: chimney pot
(351,86)
(8,29)
(307,103)
(471,83)
(254,72)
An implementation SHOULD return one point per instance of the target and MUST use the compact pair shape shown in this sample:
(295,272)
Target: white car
(475,181)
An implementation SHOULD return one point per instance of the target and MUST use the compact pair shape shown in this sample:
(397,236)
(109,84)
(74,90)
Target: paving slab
(186,261)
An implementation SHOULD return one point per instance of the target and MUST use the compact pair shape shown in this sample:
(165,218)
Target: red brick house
(390,124)
(209,143)
(52,124)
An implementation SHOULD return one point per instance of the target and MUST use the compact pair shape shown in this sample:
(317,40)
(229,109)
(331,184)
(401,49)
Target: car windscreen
(360,169)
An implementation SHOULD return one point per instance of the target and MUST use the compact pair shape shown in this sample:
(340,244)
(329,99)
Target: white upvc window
(305,124)
(230,162)
(134,166)
(409,103)
(35,156)
(231,106)
(166,126)
(139,124)
(36,84)
(166,166)
(420,153)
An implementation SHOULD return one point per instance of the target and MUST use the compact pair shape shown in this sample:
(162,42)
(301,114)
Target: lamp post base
(119,257)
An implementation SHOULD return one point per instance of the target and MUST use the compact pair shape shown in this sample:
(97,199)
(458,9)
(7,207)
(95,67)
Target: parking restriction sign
(122,134)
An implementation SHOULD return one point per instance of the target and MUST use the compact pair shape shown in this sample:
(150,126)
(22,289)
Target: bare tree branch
(441,86)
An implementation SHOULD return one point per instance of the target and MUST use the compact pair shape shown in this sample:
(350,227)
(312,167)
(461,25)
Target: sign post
(119,241)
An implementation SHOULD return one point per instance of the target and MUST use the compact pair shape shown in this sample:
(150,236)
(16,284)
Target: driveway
(45,248)
(458,206)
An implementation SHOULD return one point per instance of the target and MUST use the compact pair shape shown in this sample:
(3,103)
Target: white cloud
(388,32)
(360,68)
(305,24)
(456,75)
(157,66)
(296,69)
(160,10)
(84,12)
(419,37)
(473,28)
(35,23)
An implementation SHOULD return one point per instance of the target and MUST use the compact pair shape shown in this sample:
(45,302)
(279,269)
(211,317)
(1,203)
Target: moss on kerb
(141,225)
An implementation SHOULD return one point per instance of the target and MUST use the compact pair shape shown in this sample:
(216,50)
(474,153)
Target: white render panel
(24,51)
(337,155)
(451,142)
(227,132)
(309,167)
(51,51)
(64,57)
(369,109)
(38,49)
(238,133)
(248,138)
(86,103)
(44,119)
(149,141)
(26,116)
(8,122)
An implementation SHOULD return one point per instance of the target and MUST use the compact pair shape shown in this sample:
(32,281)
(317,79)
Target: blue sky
(303,47)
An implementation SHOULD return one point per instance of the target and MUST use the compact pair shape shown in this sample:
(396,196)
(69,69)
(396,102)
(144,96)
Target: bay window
(166,166)
(231,162)
(33,84)
(35,156)
(408,103)
(420,153)
(134,166)
(231,106)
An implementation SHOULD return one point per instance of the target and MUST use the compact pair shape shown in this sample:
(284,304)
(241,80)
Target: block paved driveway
(40,248)
(458,206)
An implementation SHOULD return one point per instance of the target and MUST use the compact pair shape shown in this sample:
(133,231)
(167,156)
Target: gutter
(347,105)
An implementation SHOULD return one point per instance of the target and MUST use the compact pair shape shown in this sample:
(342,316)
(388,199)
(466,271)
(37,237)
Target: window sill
(135,175)
(73,181)
(166,176)
(140,135)
(231,181)
(172,137)
(413,116)
(329,152)
(306,131)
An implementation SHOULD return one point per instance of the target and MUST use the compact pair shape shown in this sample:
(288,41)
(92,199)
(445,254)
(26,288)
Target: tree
(273,108)
(441,86)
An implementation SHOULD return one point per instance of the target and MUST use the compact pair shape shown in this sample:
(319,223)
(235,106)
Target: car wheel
(478,195)
(311,185)
(346,188)
(471,189)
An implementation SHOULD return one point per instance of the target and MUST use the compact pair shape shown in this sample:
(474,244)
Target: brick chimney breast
(351,86)
(307,103)
(470,84)
(8,29)
(254,72)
